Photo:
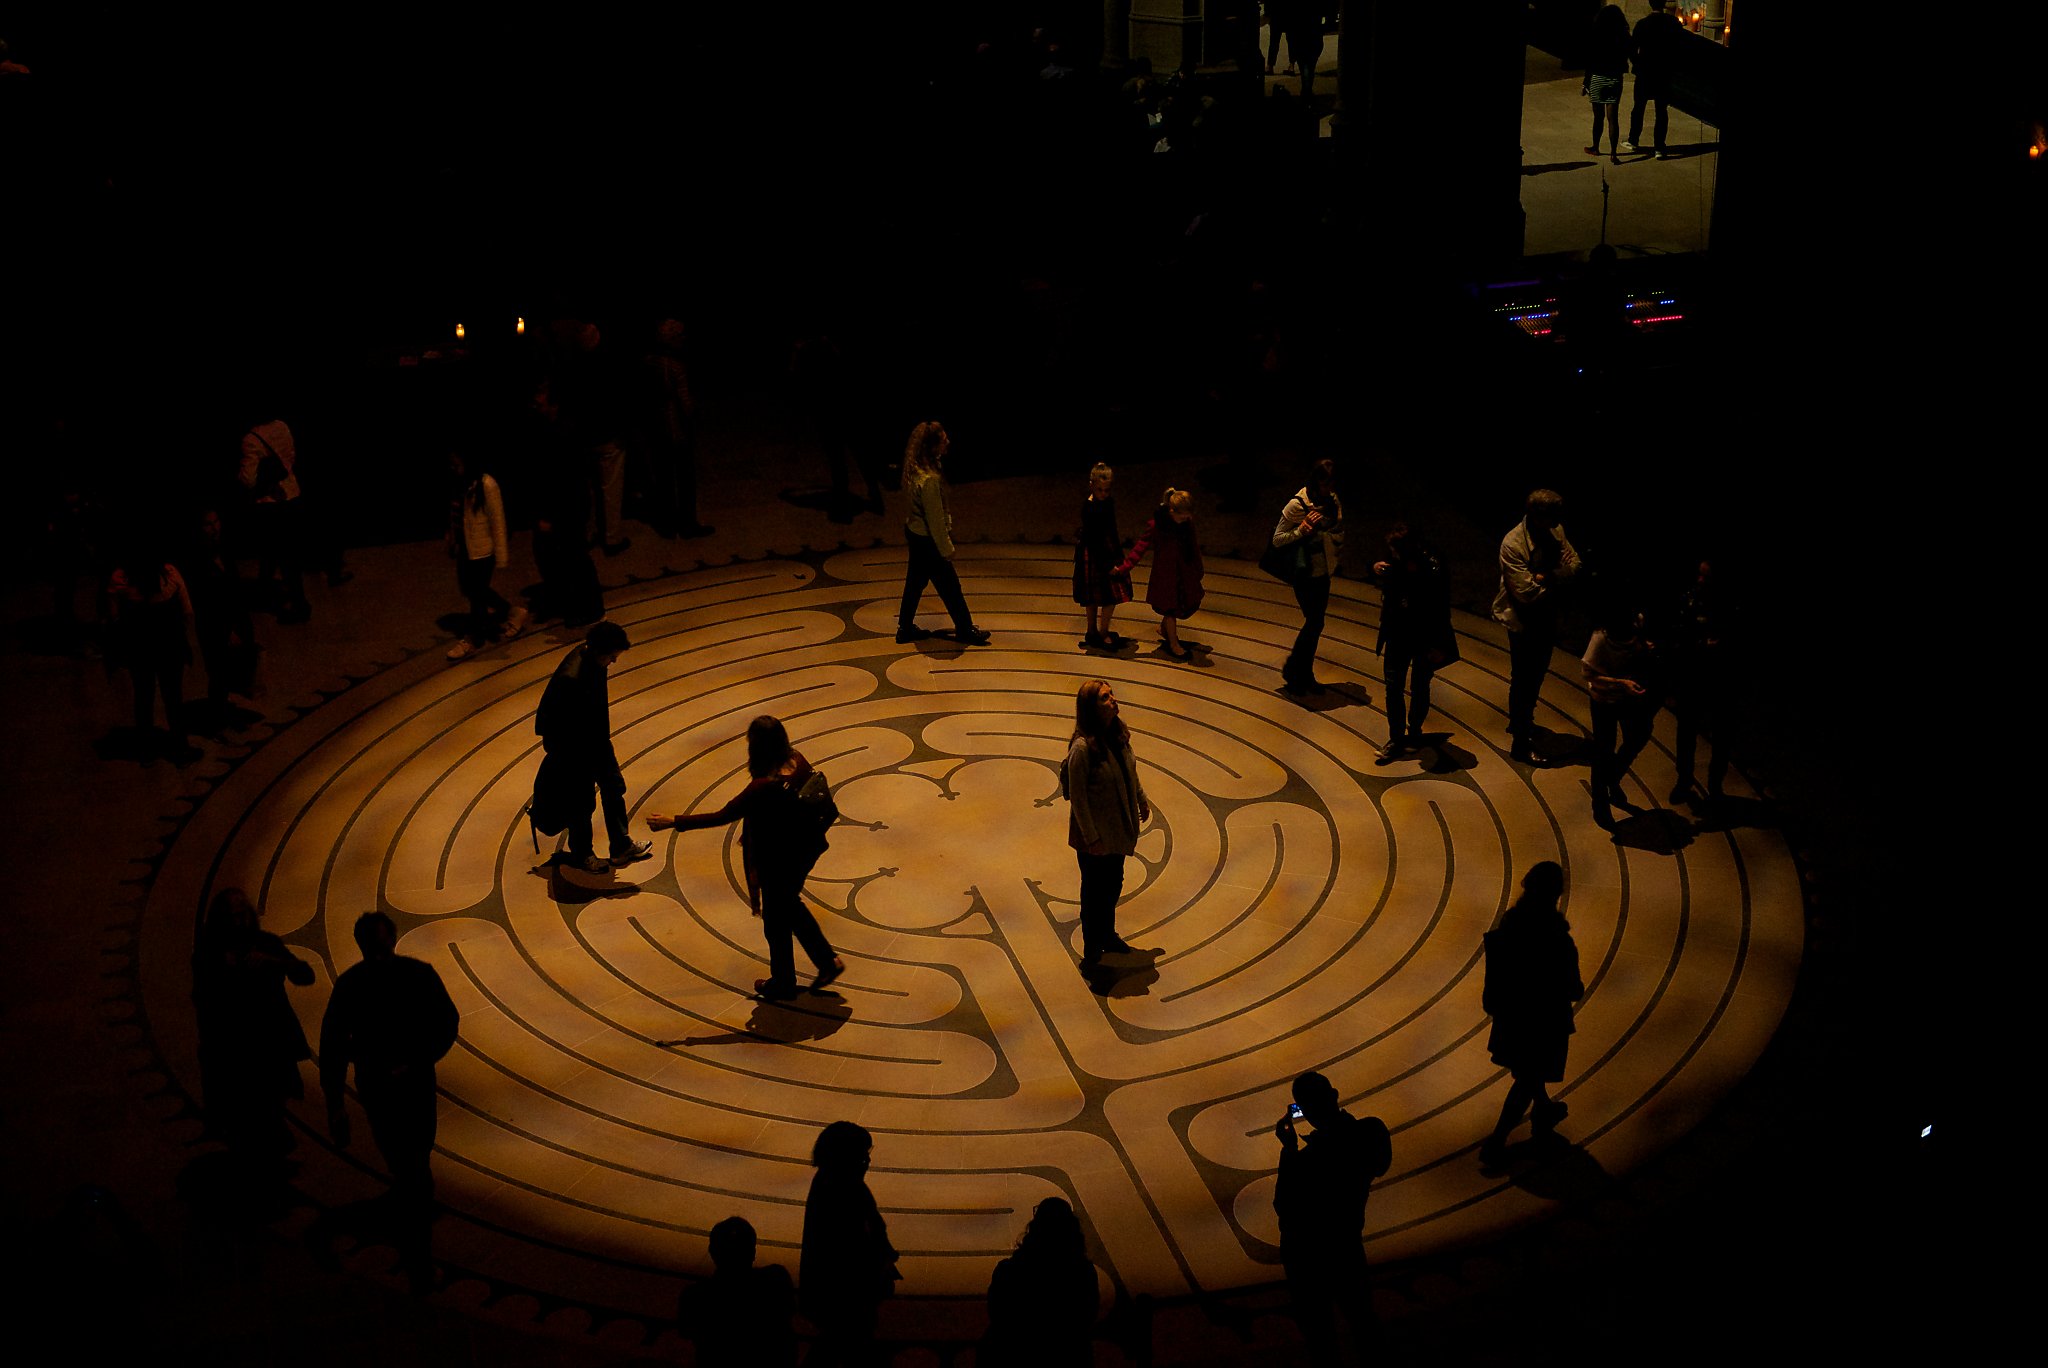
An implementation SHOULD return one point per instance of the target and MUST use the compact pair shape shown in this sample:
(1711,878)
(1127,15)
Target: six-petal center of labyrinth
(615,1092)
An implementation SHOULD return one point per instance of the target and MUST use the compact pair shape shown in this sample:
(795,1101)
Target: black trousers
(1102,887)
(1312,592)
(1528,661)
(784,918)
(1406,662)
(487,607)
(927,566)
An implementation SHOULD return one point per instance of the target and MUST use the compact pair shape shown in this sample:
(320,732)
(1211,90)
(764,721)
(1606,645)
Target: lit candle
(459,333)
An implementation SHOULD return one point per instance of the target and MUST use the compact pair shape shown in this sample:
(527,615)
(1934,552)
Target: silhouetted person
(1702,680)
(928,527)
(569,587)
(390,1017)
(739,1317)
(1313,524)
(1535,559)
(672,452)
(1106,809)
(574,721)
(1320,1200)
(220,616)
(1655,49)
(1042,1299)
(1606,64)
(1532,980)
(779,844)
(250,1040)
(848,1267)
(1416,637)
(1618,668)
(151,612)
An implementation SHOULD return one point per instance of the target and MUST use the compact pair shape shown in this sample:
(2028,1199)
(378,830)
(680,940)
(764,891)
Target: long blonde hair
(921,452)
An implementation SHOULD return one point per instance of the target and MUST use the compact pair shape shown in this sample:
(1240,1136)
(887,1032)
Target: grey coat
(1100,783)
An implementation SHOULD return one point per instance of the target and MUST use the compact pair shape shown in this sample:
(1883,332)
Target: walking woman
(1106,809)
(848,1267)
(478,541)
(779,843)
(1532,980)
(1312,523)
(929,527)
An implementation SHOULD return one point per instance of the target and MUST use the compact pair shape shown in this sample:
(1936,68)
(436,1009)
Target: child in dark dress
(1176,587)
(1101,581)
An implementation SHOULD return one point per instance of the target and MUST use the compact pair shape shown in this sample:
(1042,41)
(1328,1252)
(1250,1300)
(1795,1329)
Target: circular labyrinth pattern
(614,1093)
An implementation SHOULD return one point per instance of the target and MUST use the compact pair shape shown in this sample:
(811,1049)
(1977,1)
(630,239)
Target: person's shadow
(807,1016)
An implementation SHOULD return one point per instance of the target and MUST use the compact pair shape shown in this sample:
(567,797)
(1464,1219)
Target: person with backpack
(784,812)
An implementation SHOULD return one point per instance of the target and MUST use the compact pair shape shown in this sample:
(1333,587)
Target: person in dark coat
(1532,982)
(391,1018)
(848,1266)
(250,1040)
(739,1317)
(1042,1299)
(575,726)
(1320,1198)
(1416,638)
(1175,589)
(777,854)
(1101,580)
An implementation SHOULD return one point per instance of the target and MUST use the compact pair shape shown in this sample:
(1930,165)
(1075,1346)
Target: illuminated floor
(615,1091)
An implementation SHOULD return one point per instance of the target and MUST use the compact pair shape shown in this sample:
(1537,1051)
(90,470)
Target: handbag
(1284,563)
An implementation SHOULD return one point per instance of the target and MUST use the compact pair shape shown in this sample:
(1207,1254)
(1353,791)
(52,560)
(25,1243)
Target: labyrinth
(615,1091)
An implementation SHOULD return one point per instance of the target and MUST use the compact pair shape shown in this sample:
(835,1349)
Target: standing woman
(778,845)
(1416,638)
(478,541)
(848,1267)
(1532,980)
(1106,808)
(1102,580)
(1175,590)
(1312,523)
(929,527)
(1607,54)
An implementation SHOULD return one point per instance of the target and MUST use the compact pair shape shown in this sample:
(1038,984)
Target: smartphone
(1294,1111)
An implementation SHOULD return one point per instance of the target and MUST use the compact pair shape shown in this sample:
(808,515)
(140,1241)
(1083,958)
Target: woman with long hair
(1106,808)
(779,844)
(1532,981)
(929,529)
(1313,524)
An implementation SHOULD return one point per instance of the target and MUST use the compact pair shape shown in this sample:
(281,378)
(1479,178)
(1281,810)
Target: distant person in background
(1042,1299)
(739,1317)
(1606,63)
(250,1040)
(1536,560)
(1655,50)
(672,450)
(1313,524)
(1416,637)
(152,612)
(848,1268)
(480,544)
(928,527)
(1175,589)
(1532,981)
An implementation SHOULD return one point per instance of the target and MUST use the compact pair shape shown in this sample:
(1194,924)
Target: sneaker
(462,650)
(906,635)
(632,852)
(1628,147)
